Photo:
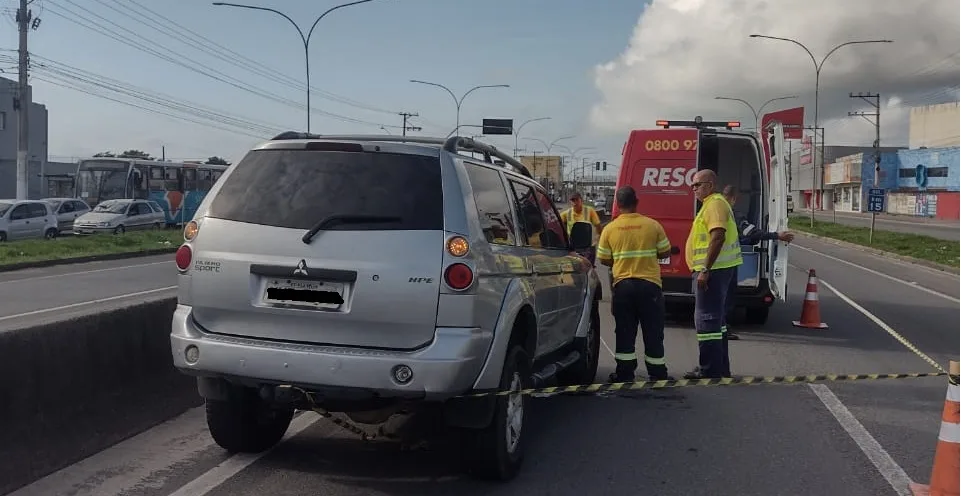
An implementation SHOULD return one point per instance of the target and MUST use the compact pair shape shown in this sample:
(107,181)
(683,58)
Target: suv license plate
(316,294)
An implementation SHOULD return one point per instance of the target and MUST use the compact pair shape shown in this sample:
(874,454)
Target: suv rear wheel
(498,449)
(585,370)
(245,423)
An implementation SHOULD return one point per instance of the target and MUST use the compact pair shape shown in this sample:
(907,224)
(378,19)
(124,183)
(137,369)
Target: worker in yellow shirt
(631,245)
(581,213)
(713,255)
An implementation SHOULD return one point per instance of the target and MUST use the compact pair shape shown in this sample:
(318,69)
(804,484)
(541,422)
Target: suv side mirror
(582,235)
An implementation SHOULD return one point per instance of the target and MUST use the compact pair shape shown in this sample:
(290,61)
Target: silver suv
(370,274)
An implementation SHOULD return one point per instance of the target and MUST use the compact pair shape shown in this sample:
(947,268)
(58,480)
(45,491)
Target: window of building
(3,121)
(938,172)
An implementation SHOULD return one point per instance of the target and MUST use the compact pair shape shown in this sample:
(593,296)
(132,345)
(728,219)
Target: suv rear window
(298,188)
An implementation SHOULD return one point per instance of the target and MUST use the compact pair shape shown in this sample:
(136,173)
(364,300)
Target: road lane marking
(883,325)
(216,476)
(148,460)
(84,303)
(81,272)
(892,278)
(882,461)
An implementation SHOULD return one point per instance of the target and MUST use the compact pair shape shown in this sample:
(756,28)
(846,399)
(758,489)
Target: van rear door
(660,164)
(777,215)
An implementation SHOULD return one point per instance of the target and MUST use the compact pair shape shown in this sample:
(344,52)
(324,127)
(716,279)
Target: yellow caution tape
(726,381)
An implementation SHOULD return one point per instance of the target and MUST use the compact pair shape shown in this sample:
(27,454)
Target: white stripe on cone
(949,433)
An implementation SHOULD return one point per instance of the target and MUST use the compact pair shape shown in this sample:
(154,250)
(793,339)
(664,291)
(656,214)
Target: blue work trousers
(710,309)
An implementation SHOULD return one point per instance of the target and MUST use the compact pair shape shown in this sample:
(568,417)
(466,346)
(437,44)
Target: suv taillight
(183,257)
(458,276)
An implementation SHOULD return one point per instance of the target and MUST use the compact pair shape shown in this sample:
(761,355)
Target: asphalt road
(927,227)
(32,295)
(864,438)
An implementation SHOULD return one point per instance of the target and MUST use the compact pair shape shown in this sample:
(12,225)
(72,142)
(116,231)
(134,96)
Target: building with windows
(806,176)
(545,168)
(9,138)
(927,183)
(852,176)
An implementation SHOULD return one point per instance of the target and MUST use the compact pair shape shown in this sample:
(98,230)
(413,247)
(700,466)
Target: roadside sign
(876,200)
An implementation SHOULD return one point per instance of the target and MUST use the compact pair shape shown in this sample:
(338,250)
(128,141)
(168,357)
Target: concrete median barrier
(73,387)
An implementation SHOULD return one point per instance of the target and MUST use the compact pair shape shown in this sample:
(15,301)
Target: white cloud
(683,53)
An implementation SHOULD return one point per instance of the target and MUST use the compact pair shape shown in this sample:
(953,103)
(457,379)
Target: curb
(880,253)
(89,258)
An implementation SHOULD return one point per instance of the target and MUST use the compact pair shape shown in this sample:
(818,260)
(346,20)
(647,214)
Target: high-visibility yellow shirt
(569,217)
(633,241)
(715,213)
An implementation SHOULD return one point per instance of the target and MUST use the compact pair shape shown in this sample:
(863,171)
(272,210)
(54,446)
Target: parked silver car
(67,211)
(119,216)
(373,273)
(26,219)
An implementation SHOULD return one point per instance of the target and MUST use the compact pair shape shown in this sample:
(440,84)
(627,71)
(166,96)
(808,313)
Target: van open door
(777,213)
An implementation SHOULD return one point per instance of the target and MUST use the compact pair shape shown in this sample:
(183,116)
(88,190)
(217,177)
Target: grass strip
(907,244)
(70,246)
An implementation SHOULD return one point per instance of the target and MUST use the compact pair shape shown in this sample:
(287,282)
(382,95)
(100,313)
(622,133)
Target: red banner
(792,119)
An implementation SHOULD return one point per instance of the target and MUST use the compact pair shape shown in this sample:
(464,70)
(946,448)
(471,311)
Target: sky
(230,78)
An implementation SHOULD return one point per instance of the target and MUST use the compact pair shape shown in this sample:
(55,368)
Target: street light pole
(304,39)
(817,83)
(517,131)
(757,113)
(460,101)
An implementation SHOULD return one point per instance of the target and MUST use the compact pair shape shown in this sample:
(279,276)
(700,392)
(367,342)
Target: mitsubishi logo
(301,269)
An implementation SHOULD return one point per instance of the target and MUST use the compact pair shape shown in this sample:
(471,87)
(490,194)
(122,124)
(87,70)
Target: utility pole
(407,115)
(873,99)
(24,20)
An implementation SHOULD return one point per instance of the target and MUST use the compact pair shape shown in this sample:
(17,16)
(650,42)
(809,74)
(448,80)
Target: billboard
(498,127)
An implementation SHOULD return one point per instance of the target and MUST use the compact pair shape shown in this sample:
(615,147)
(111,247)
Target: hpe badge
(301,269)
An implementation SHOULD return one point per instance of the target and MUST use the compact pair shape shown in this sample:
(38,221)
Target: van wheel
(757,315)
(245,423)
(584,371)
(497,451)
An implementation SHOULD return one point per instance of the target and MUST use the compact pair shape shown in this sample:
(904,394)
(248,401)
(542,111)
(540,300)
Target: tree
(137,154)
(217,161)
(105,155)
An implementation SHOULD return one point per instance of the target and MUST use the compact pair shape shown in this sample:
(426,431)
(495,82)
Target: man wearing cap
(713,254)
(748,234)
(631,245)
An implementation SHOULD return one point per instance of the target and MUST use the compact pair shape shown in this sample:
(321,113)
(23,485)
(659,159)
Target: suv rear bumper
(447,367)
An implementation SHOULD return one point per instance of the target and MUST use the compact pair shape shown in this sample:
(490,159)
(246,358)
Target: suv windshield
(298,188)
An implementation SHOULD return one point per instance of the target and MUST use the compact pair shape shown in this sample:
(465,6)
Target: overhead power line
(200,42)
(180,59)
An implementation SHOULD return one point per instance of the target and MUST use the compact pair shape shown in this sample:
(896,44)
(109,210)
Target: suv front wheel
(498,449)
(245,423)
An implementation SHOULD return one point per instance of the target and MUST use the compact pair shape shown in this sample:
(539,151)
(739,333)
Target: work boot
(620,378)
(698,374)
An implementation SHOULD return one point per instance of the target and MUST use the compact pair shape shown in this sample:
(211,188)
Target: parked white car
(26,219)
(67,211)
(119,216)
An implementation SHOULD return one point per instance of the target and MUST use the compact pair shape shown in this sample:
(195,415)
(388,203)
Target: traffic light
(604,164)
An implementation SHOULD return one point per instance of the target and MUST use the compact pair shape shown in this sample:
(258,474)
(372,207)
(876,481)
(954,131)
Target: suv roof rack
(699,123)
(454,144)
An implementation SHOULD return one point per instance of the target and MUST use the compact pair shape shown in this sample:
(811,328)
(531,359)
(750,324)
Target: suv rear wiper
(346,219)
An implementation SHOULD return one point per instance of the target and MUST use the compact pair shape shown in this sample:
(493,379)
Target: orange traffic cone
(944,475)
(811,311)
